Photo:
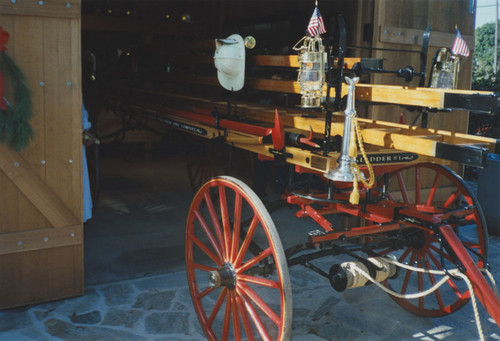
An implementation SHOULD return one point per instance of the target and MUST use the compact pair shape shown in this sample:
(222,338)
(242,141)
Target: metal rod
(381,49)
(423,55)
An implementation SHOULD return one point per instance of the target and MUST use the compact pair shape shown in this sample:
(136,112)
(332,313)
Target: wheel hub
(415,239)
(224,276)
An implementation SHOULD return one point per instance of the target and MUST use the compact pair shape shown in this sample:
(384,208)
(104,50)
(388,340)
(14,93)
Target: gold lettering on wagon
(318,162)
(388,158)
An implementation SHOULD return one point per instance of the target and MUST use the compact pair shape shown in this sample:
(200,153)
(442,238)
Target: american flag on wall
(316,25)
(460,47)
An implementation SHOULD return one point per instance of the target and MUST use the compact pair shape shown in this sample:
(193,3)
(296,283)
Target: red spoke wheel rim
(236,294)
(433,188)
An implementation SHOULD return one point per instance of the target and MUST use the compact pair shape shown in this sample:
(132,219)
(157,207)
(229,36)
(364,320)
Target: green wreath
(15,129)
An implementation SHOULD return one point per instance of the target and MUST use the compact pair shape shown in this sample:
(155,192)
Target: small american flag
(316,25)
(459,45)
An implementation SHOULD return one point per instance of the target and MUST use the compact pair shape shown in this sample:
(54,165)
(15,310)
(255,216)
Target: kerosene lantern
(312,60)
(444,71)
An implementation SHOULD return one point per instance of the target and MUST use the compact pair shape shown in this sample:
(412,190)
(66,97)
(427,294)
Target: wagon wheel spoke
(203,267)
(213,217)
(236,291)
(252,313)
(205,292)
(260,281)
(209,234)
(255,260)
(430,188)
(418,186)
(244,318)
(450,282)
(236,318)
(402,188)
(408,274)
(433,190)
(472,245)
(451,199)
(236,227)
(217,306)
(206,250)
(438,251)
(420,277)
(260,303)
(227,318)
(225,221)
(246,242)
(432,279)
(404,255)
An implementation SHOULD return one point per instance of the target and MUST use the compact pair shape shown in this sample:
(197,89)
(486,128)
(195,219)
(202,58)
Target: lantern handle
(295,48)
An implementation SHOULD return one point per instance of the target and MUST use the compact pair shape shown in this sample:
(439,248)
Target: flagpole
(495,56)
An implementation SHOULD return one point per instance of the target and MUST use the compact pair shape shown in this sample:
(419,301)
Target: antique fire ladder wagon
(420,233)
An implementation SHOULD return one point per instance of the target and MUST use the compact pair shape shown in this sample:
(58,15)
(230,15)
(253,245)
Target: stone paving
(159,308)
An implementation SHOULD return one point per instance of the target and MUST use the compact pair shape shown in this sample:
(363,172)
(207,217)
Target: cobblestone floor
(159,308)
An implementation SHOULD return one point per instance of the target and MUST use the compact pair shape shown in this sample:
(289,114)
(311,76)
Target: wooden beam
(35,189)
(273,85)
(409,36)
(46,8)
(397,95)
(376,93)
(281,61)
(40,239)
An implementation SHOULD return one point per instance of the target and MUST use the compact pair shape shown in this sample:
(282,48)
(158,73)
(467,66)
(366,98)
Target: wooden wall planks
(62,92)
(416,15)
(26,30)
(38,276)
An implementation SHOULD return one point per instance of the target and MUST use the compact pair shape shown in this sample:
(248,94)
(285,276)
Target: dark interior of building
(140,172)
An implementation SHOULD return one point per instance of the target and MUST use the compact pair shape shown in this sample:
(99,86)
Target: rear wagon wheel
(432,188)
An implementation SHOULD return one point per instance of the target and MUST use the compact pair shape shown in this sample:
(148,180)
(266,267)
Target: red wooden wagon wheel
(433,188)
(237,270)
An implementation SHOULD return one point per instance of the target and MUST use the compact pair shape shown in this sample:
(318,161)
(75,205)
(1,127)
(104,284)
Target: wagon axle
(414,238)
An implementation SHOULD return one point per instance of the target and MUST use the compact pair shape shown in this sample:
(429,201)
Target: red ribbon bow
(4,38)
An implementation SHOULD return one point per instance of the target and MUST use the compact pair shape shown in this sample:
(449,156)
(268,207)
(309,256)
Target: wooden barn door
(41,230)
